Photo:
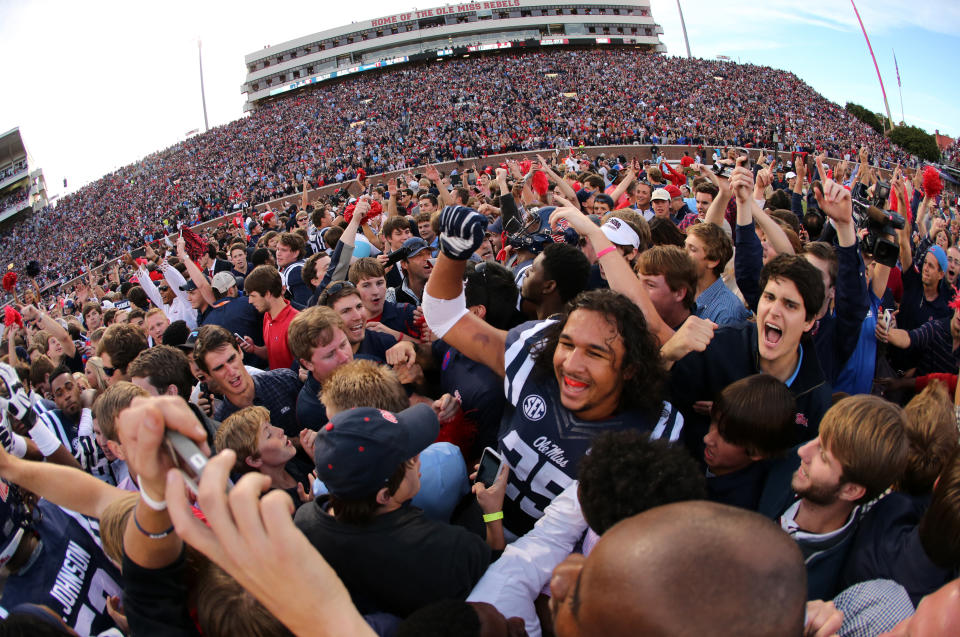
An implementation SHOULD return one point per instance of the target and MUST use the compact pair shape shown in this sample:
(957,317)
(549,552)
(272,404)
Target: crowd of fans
(441,111)
(951,154)
(15,197)
(564,395)
(11,170)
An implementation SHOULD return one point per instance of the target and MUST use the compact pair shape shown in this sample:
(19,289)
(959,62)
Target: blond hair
(110,403)
(364,383)
(241,432)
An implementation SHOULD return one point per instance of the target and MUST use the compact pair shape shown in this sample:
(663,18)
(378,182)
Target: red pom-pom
(540,183)
(525,166)
(361,174)
(375,209)
(932,184)
(955,303)
(9,281)
(11,316)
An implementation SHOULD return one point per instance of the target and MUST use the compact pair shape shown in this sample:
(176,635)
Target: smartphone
(239,339)
(490,463)
(188,458)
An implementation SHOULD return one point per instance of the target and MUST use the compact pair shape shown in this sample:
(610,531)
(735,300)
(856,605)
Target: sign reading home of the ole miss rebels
(448,10)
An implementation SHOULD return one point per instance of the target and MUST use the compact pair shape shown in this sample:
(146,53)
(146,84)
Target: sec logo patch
(534,407)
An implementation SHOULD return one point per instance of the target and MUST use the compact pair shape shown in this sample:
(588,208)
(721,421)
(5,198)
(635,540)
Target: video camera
(869,211)
(723,170)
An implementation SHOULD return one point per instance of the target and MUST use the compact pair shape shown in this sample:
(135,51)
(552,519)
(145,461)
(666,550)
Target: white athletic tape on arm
(47,441)
(442,314)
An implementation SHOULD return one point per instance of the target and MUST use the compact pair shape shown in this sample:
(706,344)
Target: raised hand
(835,200)
(461,231)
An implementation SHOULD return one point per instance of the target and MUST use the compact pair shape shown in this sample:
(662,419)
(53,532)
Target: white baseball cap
(620,233)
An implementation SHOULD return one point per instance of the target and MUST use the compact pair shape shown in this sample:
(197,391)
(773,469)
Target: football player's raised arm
(444,302)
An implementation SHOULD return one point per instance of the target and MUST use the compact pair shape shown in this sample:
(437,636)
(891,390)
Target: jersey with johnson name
(72,575)
(543,441)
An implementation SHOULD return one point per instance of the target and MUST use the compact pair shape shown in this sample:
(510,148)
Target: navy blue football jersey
(477,387)
(541,440)
(72,575)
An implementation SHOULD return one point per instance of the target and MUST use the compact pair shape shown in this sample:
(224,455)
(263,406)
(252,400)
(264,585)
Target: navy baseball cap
(415,245)
(359,449)
(190,286)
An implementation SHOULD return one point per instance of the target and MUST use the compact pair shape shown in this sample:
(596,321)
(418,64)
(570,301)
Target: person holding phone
(369,461)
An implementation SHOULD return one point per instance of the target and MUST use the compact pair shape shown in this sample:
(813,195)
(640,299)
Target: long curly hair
(644,384)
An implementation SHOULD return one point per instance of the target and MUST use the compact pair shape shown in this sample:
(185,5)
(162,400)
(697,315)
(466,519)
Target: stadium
(489,318)
(455,30)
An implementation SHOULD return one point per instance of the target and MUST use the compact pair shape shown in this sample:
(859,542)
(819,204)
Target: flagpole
(899,86)
(886,104)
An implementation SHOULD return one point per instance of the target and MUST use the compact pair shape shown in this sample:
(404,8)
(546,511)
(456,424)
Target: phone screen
(489,466)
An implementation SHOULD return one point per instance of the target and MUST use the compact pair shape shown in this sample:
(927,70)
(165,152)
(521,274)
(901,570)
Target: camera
(723,170)
(397,255)
(880,224)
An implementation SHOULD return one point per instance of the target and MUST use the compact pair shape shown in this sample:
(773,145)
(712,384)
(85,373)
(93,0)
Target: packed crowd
(503,401)
(18,196)
(951,154)
(442,111)
(11,170)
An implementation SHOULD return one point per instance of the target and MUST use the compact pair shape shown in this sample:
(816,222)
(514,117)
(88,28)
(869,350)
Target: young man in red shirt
(264,287)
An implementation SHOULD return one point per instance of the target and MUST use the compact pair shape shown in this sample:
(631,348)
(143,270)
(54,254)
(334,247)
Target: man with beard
(861,450)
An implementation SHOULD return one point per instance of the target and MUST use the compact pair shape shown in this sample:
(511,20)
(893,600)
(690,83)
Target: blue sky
(96,85)
(821,42)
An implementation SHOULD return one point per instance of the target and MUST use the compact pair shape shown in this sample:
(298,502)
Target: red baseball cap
(674,191)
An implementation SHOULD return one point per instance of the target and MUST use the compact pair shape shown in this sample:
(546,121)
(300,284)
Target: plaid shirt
(277,390)
(872,607)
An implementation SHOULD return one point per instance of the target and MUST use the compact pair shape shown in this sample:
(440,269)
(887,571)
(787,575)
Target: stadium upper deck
(22,184)
(450,30)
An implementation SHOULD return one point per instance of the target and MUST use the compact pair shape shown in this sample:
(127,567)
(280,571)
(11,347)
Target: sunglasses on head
(109,371)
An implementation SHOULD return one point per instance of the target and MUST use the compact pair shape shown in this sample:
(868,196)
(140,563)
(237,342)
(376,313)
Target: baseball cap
(415,245)
(619,233)
(791,175)
(941,256)
(223,281)
(660,194)
(269,217)
(359,449)
(189,287)
(674,191)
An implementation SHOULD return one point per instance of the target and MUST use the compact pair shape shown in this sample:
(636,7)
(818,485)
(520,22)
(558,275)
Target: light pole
(203,95)
(683,26)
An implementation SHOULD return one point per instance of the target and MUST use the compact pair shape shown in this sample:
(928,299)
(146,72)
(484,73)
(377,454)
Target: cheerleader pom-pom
(540,183)
(9,281)
(12,317)
(932,184)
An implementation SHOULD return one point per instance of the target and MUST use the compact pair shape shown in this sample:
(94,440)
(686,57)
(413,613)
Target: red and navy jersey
(479,390)
(72,576)
(541,440)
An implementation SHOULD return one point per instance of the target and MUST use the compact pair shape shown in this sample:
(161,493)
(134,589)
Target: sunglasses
(109,371)
(164,288)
